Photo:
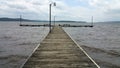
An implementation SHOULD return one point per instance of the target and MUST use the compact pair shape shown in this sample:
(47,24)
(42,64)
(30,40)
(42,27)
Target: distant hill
(109,22)
(9,19)
(73,21)
(15,19)
(113,22)
(18,19)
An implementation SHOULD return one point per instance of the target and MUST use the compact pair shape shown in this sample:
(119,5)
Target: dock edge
(34,51)
(82,50)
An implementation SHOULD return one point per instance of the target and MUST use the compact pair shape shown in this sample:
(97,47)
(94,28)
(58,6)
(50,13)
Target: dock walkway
(58,50)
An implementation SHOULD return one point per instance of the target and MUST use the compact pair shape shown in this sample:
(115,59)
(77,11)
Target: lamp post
(54,20)
(54,4)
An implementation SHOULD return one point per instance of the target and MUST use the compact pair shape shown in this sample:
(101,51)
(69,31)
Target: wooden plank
(58,50)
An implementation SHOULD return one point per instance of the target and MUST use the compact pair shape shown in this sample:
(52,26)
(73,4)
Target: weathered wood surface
(58,50)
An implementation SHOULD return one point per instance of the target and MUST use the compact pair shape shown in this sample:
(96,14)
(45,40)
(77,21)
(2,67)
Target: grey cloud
(10,5)
(3,3)
(17,6)
(117,11)
(37,3)
(60,8)
(113,11)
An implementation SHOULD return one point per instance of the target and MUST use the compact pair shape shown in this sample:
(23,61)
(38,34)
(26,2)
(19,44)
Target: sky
(77,10)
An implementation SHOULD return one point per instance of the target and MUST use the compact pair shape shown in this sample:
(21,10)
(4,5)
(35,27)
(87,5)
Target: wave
(98,50)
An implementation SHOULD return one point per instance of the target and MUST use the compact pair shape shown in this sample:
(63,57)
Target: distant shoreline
(27,20)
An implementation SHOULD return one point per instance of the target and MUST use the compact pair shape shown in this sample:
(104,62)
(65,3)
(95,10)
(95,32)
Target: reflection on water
(102,43)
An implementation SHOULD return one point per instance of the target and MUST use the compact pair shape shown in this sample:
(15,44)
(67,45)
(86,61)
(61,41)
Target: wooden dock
(47,25)
(58,50)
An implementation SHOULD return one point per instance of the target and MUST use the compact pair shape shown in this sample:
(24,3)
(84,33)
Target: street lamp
(54,20)
(54,4)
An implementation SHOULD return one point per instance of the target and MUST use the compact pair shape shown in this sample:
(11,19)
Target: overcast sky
(101,10)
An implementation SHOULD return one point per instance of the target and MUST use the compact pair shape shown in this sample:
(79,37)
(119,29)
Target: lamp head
(54,4)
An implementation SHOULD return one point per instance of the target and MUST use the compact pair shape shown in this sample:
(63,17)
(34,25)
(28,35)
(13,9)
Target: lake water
(17,43)
(102,42)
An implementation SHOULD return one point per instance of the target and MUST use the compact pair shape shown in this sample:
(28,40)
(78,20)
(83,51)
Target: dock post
(20,20)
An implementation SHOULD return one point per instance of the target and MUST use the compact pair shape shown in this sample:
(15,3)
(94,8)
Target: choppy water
(102,43)
(17,43)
